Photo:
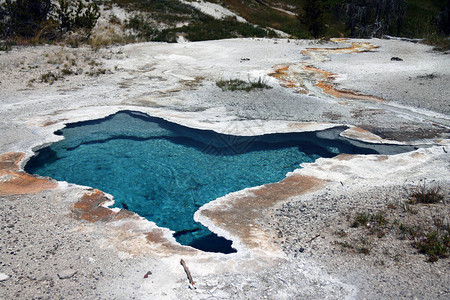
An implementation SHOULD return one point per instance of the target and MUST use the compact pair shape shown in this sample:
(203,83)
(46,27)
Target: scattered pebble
(147,274)
(3,277)
(66,274)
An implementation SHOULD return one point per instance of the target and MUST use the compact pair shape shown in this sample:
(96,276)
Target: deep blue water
(165,172)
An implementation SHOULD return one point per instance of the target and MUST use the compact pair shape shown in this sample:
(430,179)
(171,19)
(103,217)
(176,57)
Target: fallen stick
(313,238)
(191,281)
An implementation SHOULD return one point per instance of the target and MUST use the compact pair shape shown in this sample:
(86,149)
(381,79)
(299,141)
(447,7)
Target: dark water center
(165,172)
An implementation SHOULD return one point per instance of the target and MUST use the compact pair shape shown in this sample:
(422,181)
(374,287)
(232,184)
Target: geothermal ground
(294,239)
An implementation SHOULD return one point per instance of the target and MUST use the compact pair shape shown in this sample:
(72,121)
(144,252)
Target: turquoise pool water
(165,172)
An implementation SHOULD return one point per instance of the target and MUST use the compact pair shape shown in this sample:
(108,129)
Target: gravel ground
(392,268)
(46,257)
(419,80)
(46,254)
(261,105)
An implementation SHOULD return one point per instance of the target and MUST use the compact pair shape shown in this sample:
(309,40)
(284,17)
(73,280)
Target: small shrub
(429,238)
(106,38)
(360,220)
(434,244)
(344,244)
(405,231)
(363,250)
(66,71)
(426,195)
(380,219)
(96,72)
(142,28)
(5,46)
(113,19)
(49,77)
(439,42)
(341,233)
(260,84)
(231,85)
(241,85)
(427,76)
(361,246)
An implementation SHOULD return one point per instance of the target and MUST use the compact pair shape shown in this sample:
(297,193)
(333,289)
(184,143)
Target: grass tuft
(241,85)
(429,236)
(426,195)
(428,76)
(360,220)
(49,77)
(440,43)
(434,244)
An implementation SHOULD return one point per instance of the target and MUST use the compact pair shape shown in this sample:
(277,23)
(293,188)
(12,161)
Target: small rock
(66,274)
(3,277)
(147,274)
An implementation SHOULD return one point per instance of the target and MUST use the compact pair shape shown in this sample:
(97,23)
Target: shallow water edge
(328,143)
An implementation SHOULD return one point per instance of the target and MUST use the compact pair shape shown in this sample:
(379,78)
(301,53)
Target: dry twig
(313,238)
(191,281)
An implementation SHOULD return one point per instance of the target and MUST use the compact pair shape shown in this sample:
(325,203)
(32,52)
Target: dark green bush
(312,18)
(42,19)
(141,27)
(81,16)
(85,16)
(212,29)
(24,18)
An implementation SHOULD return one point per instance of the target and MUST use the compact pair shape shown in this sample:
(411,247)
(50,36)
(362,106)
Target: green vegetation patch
(426,194)
(241,85)
(434,244)
(43,20)
(211,29)
(405,221)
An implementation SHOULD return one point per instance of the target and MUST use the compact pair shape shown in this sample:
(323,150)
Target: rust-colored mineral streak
(323,79)
(14,181)
(89,208)
(127,234)
(241,218)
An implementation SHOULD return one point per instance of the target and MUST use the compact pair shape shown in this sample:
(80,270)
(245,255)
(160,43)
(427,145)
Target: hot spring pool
(165,172)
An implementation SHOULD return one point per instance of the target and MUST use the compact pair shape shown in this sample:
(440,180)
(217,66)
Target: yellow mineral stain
(324,80)
(288,79)
(330,89)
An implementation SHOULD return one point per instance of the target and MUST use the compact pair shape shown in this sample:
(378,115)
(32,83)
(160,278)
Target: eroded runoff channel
(165,172)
